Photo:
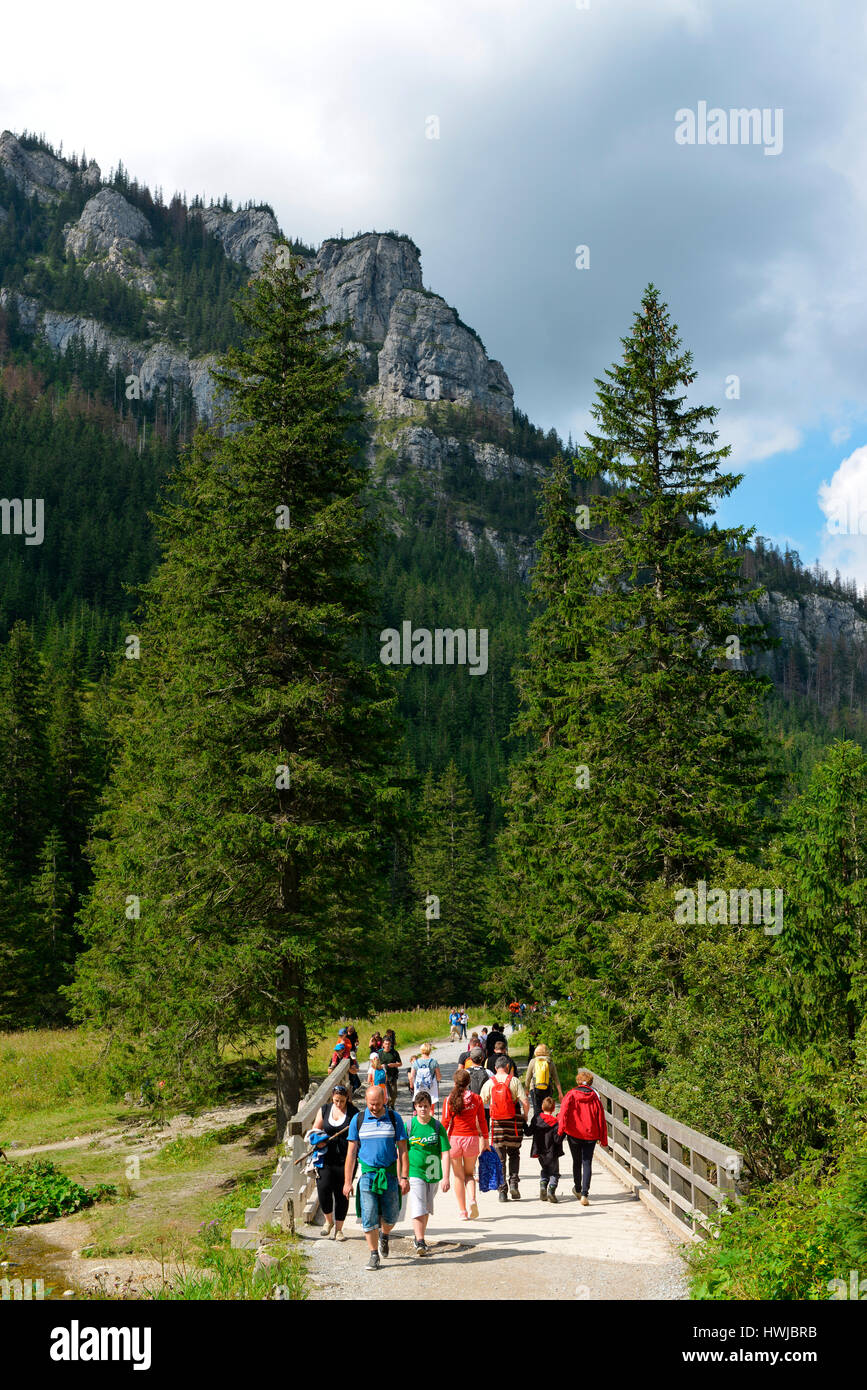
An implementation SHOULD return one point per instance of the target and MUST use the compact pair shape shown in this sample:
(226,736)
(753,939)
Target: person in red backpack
(582,1120)
(507,1099)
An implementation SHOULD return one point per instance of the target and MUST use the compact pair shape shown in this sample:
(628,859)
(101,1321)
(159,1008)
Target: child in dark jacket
(547,1147)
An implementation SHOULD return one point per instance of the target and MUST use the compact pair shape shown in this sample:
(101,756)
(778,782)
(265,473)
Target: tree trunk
(293,1077)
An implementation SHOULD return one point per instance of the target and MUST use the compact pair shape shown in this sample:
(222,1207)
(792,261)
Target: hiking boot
(373,1262)
(383,1245)
(503,1194)
(543,1193)
(552,1195)
(513,1192)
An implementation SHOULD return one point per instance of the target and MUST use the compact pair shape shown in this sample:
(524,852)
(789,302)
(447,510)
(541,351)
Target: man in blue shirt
(378,1138)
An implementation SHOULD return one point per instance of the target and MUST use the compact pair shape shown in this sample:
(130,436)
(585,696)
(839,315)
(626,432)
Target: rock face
(107,221)
(429,355)
(360,280)
(37,172)
(806,622)
(109,230)
(247,237)
(155,365)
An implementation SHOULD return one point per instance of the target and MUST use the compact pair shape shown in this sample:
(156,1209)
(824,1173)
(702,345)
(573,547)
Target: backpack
(502,1101)
(543,1072)
(424,1073)
(478,1077)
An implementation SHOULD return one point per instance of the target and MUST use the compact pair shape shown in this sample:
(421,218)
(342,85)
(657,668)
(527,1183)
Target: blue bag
(490,1171)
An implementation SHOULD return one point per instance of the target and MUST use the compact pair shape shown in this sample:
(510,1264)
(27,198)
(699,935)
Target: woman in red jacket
(582,1120)
(466,1125)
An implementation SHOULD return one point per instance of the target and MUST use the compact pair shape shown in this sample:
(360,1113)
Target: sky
(503,135)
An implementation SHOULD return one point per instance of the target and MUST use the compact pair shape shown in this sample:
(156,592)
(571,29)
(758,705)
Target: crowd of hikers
(489,1111)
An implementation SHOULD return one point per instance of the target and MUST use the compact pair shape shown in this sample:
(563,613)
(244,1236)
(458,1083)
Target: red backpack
(502,1101)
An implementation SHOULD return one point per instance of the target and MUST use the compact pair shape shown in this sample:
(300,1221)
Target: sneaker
(373,1262)
(421,1247)
(463,1216)
(576,1193)
(338,1235)
(474,1211)
(552,1195)
(504,1196)
(327,1232)
(383,1245)
(585,1201)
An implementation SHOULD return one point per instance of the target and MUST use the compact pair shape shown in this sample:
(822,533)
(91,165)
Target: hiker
(425,1075)
(496,1035)
(479,1073)
(376,1042)
(391,1060)
(514,1013)
(467,1129)
(378,1138)
(500,1051)
(541,1077)
(334,1118)
(507,1099)
(376,1075)
(454,1025)
(354,1077)
(353,1036)
(342,1049)
(582,1120)
(429,1163)
(464,1019)
(409,1073)
(473,1042)
(548,1148)
(483,1040)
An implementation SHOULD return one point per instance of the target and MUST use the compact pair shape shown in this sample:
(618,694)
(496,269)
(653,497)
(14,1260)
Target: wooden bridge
(671,1178)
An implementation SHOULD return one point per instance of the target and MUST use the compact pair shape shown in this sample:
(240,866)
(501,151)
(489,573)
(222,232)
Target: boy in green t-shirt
(429,1161)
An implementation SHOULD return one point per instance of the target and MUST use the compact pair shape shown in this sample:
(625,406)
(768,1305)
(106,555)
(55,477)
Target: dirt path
(613,1249)
(148,1136)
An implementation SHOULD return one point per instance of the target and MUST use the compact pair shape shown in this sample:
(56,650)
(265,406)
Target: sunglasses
(339,1091)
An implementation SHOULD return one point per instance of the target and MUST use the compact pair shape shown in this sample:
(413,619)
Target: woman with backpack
(424,1075)
(467,1129)
(542,1077)
(334,1118)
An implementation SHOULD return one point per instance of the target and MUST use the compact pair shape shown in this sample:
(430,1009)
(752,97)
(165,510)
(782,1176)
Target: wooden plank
(691,1138)
(306,1113)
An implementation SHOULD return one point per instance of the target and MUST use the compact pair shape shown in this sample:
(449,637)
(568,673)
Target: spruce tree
(649,758)
(820,995)
(452,931)
(24,755)
(249,812)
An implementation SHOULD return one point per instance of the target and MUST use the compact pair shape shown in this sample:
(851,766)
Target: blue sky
(557,126)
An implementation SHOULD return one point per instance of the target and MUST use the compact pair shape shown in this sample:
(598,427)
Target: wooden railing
(685,1172)
(291,1197)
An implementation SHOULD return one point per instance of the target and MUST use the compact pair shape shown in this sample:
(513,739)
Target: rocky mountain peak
(40,173)
(248,235)
(360,280)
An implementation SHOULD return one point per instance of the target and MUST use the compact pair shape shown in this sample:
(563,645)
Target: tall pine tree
(649,757)
(248,816)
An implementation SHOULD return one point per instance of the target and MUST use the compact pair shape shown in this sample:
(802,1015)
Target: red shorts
(466,1144)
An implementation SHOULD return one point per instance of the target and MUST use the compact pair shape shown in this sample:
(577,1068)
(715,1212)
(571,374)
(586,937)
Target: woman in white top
(424,1075)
